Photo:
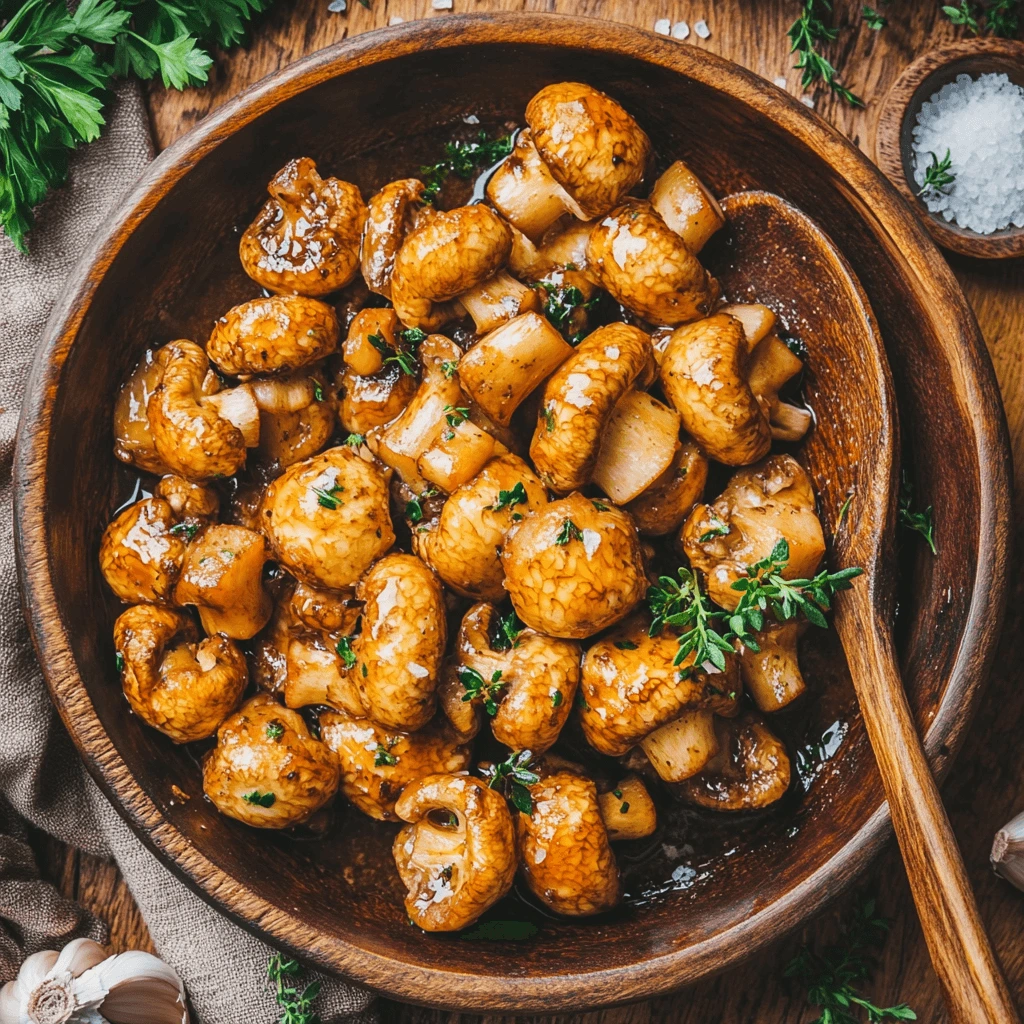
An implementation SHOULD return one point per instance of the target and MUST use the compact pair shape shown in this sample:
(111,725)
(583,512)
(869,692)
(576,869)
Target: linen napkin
(42,779)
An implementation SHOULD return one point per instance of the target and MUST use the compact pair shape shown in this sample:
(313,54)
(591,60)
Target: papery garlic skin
(82,985)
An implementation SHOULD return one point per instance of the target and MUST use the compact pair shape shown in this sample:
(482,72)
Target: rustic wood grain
(985,787)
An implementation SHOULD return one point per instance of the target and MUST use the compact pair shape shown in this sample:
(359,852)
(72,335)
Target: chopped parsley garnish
(414,510)
(384,757)
(717,529)
(328,497)
(456,415)
(379,343)
(414,336)
(513,776)
(477,688)
(318,391)
(549,418)
(625,645)
(562,302)
(570,531)
(509,628)
(405,358)
(462,159)
(345,652)
(624,809)
(448,368)
(364,669)
(507,499)
(556,699)
(186,530)
(274,730)
(119,661)
(599,505)
(259,799)
(355,440)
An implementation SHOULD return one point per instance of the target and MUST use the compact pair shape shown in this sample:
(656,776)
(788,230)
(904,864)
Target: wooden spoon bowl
(375,108)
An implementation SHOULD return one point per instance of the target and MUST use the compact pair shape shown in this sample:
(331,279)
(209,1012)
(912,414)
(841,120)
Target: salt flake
(663,26)
(701,28)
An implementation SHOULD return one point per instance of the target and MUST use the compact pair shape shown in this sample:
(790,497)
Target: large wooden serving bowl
(374,108)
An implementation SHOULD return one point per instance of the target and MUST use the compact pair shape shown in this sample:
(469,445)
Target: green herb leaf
(570,531)
(561,307)
(556,699)
(456,415)
(937,175)
(513,775)
(345,652)
(384,757)
(463,159)
(274,730)
(186,530)
(509,628)
(328,497)
(510,498)
(806,34)
(873,19)
(119,661)
(624,809)
(921,522)
(318,391)
(414,510)
(414,336)
(448,368)
(717,529)
(626,645)
(549,418)
(297,1006)
(355,440)
(478,689)
(259,799)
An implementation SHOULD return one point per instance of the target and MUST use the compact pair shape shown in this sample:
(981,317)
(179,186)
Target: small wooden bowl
(375,108)
(894,136)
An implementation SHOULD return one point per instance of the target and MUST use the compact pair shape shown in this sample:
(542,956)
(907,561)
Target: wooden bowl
(165,264)
(894,136)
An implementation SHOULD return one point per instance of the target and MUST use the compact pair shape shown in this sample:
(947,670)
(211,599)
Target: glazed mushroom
(632,693)
(751,769)
(463,545)
(627,810)
(446,255)
(686,206)
(579,400)
(328,611)
(772,675)
(297,418)
(371,335)
(200,435)
(392,213)
(318,671)
(591,146)
(368,402)
(508,364)
(196,503)
(573,567)
(527,685)
(142,552)
(133,436)
(456,857)
(223,577)
(268,658)
(763,504)
(497,300)
(465,717)
(564,850)
(397,656)
(327,518)
(267,770)
(665,504)
(180,687)
(647,267)
(305,240)
(377,764)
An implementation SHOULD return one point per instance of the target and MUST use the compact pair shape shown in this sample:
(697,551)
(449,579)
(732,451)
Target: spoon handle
(972,982)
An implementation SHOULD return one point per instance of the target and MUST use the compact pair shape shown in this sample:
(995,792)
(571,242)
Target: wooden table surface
(986,785)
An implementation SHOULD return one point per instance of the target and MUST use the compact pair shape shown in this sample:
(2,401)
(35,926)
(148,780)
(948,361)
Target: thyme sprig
(463,159)
(806,34)
(508,499)
(478,688)
(937,175)
(922,522)
(285,975)
(513,775)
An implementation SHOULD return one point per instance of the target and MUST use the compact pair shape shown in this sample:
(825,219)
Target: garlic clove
(78,956)
(142,989)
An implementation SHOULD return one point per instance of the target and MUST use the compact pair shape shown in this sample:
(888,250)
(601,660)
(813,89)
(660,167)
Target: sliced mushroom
(628,812)
(579,400)
(133,436)
(751,769)
(392,213)
(463,546)
(531,682)
(591,146)
(505,366)
(763,504)
(306,238)
(277,334)
(686,206)
(772,675)
(573,567)
(180,687)
(564,850)
(446,255)
(377,764)
(665,504)
(399,651)
(457,856)
(647,267)
(142,552)
(327,518)
(267,770)
(196,503)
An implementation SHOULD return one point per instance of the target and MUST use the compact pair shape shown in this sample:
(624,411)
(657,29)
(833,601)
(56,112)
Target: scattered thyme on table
(806,34)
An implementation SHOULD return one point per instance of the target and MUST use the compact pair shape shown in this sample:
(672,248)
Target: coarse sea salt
(981,122)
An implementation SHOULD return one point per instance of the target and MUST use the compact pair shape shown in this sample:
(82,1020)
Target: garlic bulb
(82,985)
(1007,855)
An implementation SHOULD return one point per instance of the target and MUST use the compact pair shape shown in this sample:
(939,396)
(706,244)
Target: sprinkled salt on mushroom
(591,542)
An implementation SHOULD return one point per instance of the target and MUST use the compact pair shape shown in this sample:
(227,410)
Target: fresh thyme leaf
(922,522)
(717,529)
(364,670)
(873,19)
(328,497)
(285,974)
(805,35)
(561,305)
(507,499)
(384,757)
(477,688)
(684,605)
(414,510)
(274,730)
(448,368)
(624,809)
(456,415)
(259,799)
(406,361)
(318,391)
(549,418)
(512,776)
(355,440)
(463,159)
(599,505)
(556,699)
(186,530)
(119,661)
(570,531)
(509,628)
(378,342)
(625,645)
(966,15)
(1002,18)
(937,175)
(345,652)
(414,336)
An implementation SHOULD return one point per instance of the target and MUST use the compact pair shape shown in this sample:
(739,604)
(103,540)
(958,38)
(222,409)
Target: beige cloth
(41,775)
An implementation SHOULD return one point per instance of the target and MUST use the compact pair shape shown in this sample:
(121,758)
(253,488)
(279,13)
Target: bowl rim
(966,355)
(894,127)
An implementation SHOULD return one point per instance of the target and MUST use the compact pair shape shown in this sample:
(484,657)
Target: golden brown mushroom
(627,810)
(392,213)
(372,333)
(327,518)
(574,567)
(377,764)
(368,402)
(142,552)
(196,503)
(133,436)
(318,670)
(267,770)
(663,506)
(297,418)
(463,545)
(397,655)
(223,577)
(182,688)
(306,238)
(644,265)
(457,856)
(763,504)
(578,402)
(328,611)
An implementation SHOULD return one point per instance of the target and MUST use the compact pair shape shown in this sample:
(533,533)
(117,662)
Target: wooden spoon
(775,255)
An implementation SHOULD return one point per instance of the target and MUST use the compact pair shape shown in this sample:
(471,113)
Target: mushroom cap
(133,436)
(751,769)
(276,334)
(306,238)
(183,689)
(445,255)
(646,266)
(327,518)
(378,763)
(328,611)
(368,402)
(663,507)
(191,438)
(761,505)
(631,687)
(141,554)
(463,546)
(591,146)
(578,400)
(564,852)
(703,376)
(188,500)
(391,213)
(453,873)
(582,585)
(265,750)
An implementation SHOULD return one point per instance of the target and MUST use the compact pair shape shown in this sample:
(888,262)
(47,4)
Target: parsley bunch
(56,70)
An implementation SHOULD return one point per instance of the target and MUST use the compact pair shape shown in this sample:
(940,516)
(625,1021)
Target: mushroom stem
(456,456)
(772,675)
(497,300)
(758,321)
(1007,855)
(238,407)
(790,422)
(628,811)
(683,747)
(686,206)
(771,366)
(282,396)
